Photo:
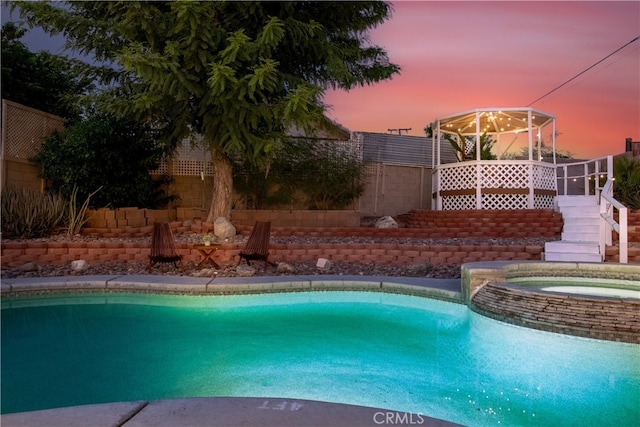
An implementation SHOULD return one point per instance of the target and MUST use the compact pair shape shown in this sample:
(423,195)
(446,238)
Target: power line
(583,71)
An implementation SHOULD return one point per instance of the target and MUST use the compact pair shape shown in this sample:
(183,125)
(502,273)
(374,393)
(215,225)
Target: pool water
(611,288)
(391,351)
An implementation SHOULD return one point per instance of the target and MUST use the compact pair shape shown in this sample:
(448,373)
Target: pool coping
(442,289)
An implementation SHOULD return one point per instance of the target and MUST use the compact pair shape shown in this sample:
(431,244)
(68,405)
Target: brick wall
(489,223)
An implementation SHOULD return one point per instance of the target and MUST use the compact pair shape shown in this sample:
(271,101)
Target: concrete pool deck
(224,411)
(219,412)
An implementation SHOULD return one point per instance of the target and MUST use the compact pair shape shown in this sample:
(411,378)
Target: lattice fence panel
(458,178)
(504,201)
(190,159)
(505,176)
(544,177)
(543,202)
(459,202)
(25,129)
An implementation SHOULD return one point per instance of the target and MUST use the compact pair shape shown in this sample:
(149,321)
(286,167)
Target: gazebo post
(529,135)
(478,165)
(530,199)
(553,140)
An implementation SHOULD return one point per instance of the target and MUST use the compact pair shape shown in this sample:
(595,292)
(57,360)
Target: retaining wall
(107,220)
(485,289)
(592,317)
(15,253)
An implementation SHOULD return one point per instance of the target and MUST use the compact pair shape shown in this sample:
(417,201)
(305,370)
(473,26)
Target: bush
(29,213)
(626,187)
(316,173)
(102,151)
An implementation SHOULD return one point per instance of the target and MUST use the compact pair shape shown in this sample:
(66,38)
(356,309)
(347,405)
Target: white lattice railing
(494,184)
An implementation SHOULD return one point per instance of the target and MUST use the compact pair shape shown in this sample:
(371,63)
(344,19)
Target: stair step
(580,211)
(565,246)
(591,221)
(576,201)
(568,257)
(572,227)
(580,237)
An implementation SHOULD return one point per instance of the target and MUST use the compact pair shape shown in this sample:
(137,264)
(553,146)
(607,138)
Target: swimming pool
(374,349)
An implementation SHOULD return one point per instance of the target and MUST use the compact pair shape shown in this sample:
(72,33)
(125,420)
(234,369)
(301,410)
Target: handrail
(594,168)
(607,204)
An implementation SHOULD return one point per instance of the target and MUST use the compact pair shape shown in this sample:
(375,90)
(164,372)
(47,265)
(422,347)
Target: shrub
(626,187)
(102,151)
(317,173)
(29,213)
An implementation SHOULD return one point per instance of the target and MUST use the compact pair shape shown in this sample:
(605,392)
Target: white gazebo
(494,184)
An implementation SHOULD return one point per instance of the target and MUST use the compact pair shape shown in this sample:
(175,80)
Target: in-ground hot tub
(594,300)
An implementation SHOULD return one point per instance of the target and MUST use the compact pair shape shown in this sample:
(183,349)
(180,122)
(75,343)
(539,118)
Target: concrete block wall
(394,190)
(123,218)
(16,253)
(489,223)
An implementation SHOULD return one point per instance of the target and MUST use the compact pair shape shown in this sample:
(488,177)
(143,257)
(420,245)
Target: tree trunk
(222,186)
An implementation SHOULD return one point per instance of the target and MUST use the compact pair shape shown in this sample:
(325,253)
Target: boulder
(386,222)
(245,271)
(419,269)
(205,272)
(29,266)
(223,229)
(79,265)
(285,268)
(323,265)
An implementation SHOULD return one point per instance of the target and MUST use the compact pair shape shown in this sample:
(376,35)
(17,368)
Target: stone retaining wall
(18,253)
(592,317)
(123,218)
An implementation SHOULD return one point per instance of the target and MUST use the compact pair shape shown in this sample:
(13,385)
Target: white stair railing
(607,205)
(586,178)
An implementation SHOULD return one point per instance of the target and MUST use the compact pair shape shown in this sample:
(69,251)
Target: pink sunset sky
(458,56)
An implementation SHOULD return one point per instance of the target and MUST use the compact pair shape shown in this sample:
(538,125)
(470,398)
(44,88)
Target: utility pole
(399,130)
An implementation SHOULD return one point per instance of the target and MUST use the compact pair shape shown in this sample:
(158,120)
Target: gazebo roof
(494,120)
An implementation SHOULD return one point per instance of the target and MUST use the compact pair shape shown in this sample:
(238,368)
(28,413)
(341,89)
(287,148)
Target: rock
(223,229)
(285,268)
(205,272)
(323,264)
(245,271)
(386,222)
(418,270)
(29,266)
(187,223)
(79,265)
